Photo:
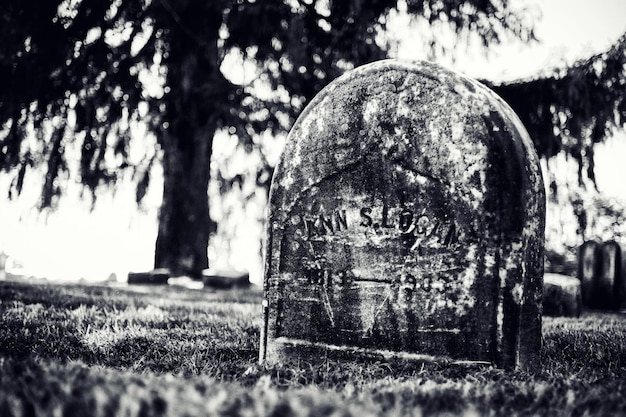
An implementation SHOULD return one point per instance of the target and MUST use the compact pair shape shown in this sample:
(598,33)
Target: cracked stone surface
(406,220)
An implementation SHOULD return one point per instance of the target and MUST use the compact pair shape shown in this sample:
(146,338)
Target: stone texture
(561,296)
(406,220)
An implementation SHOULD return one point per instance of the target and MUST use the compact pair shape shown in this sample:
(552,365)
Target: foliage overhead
(81,78)
(79,74)
(573,108)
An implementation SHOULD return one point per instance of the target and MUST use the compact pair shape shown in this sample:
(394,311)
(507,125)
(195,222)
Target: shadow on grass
(146,354)
(139,354)
(19,340)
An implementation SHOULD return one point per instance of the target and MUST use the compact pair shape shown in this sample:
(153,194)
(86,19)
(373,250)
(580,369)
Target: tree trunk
(184,221)
(192,117)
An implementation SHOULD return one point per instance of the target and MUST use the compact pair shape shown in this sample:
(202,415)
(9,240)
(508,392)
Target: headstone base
(284,350)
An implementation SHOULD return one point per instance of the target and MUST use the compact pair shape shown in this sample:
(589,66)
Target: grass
(163,351)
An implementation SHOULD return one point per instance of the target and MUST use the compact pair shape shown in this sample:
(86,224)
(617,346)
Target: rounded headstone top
(442,126)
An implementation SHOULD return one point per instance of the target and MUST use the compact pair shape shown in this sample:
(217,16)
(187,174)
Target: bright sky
(74,243)
(567,30)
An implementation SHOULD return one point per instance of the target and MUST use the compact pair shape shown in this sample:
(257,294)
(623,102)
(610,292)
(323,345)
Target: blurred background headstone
(561,295)
(154,277)
(610,279)
(589,266)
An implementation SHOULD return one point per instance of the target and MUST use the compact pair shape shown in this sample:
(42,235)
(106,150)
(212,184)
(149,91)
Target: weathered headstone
(406,220)
(609,284)
(589,266)
(561,296)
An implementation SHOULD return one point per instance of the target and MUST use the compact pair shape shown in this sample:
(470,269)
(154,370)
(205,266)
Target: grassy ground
(144,351)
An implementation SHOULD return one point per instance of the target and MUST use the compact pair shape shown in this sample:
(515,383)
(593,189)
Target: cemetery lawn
(164,351)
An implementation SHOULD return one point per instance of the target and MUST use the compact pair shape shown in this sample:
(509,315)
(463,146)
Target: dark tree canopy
(573,108)
(77,74)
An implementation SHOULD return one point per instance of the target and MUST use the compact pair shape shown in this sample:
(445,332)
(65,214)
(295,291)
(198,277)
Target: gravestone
(589,266)
(3,262)
(406,220)
(225,279)
(609,284)
(155,277)
(561,296)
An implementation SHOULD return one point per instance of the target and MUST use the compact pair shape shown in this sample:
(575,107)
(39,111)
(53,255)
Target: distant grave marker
(600,270)
(3,263)
(154,277)
(406,220)
(225,279)
(609,282)
(561,295)
(589,264)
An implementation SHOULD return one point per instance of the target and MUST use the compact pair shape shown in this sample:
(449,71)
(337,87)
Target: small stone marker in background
(225,279)
(561,296)
(406,221)
(600,270)
(3,262)
(609,285)
(154,277)
(620,288)
(589,264)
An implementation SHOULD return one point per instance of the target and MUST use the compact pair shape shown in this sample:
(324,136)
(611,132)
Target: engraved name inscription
(322,224)
(413,226)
